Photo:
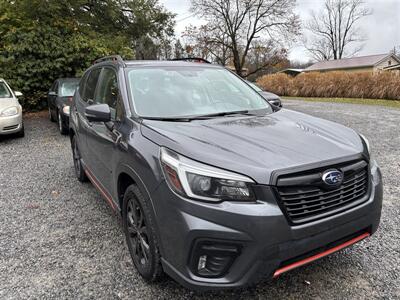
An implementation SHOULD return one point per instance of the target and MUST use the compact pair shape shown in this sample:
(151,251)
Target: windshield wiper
(197,117)
(169,119)
(222,114)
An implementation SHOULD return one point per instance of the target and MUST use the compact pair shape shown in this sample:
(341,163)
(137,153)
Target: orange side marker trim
(100,188)
(320,255)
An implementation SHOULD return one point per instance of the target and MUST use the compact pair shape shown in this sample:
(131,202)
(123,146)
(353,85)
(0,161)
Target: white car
(10,111)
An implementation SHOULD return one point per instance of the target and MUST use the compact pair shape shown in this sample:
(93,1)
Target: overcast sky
(382,27)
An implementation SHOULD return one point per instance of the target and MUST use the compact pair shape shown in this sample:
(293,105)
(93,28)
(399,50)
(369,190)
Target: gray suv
(216,187)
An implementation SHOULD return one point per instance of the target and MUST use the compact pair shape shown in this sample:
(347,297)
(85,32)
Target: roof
(293,70)
(167,63)
(395,67)
(353,62)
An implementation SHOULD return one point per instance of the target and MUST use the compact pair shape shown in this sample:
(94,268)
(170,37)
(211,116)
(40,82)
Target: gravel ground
(59,239)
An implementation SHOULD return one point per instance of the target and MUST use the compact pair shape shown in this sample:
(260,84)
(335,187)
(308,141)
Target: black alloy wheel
(140,235)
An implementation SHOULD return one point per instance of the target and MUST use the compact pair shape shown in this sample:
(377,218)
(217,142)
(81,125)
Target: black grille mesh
(305,197)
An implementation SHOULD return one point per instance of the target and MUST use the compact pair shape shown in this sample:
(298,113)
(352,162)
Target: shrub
(377,85)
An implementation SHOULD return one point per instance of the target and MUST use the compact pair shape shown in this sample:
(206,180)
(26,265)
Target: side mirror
(52,93)
(98,113)
(17,94)
(276,103)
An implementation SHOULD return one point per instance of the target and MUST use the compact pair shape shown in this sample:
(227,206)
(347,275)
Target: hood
(257,146)
(7,102)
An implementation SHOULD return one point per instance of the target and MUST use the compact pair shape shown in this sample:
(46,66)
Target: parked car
(215,186)
(10,111)
(59,100)
(270,97)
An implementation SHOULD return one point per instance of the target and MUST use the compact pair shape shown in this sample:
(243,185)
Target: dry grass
(382,85)
(380,102)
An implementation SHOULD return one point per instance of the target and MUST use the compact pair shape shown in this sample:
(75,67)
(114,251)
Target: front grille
(305,197)
(10,127)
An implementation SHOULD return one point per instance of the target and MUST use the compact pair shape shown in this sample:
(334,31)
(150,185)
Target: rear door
(102,138)
(84,97)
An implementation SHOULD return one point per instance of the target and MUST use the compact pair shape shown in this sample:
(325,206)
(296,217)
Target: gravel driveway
(59,239)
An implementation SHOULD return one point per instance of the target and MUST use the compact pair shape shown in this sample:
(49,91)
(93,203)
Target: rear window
(68,88)
(4,91)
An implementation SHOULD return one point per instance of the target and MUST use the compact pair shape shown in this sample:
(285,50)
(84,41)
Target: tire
(51,115)
(61,127)
(140,235)
(79,171)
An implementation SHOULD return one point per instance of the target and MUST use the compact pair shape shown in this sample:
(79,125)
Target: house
(292,72)
(368,63)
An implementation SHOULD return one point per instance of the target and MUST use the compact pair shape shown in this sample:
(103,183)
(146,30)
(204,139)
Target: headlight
(11,111)
(66,110)
(199,181)
(366,142)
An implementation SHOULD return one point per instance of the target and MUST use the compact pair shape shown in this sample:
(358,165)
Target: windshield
(173,92)
(254,86)
(68,88)
(4,91)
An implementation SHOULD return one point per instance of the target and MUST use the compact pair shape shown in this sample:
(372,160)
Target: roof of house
(292,70)
(353,62)
(395,67)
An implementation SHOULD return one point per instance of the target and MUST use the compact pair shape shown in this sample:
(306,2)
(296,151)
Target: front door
(101,137)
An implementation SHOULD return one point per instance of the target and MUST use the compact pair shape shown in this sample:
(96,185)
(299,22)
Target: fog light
(213,259)
(202,262)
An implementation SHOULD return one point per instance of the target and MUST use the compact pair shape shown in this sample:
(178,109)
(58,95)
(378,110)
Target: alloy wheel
(137,233)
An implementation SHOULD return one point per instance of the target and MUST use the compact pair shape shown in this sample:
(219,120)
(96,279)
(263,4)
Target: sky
(382,28)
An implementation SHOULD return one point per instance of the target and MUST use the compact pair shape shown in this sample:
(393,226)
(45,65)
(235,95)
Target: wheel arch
(126,177)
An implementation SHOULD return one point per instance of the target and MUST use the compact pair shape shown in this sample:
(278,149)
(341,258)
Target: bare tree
(335,31)
(243,21)
(208,42)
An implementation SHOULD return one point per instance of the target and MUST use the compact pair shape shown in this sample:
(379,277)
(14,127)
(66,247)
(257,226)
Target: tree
(246,20)
(208,42)
(265,57)
(335,31)
(178,49)
(43,40)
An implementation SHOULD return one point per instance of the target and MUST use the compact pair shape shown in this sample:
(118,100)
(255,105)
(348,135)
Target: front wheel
(79,171)
(140,235)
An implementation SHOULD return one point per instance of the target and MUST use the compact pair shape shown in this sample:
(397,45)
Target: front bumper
(267,241)
(10,125)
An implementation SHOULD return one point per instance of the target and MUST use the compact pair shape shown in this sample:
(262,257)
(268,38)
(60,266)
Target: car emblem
(332,177)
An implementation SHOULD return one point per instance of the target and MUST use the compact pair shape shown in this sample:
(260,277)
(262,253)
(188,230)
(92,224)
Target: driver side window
(108,93)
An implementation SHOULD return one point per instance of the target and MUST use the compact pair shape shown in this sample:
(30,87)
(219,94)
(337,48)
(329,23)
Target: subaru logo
(332,177)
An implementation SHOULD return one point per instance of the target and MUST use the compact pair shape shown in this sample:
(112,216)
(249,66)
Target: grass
(379,102)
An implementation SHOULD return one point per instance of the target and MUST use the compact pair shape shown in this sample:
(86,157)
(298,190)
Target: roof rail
(192,59)
(116,58)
